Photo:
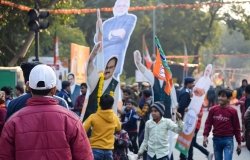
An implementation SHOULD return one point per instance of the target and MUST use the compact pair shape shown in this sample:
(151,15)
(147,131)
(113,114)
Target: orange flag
(161,69)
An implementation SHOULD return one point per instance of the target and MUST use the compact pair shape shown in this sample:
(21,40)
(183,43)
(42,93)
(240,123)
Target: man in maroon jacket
(43,129)
(225,122)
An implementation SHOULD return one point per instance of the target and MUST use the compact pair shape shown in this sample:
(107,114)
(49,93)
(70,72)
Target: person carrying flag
(162,89)
(160,80)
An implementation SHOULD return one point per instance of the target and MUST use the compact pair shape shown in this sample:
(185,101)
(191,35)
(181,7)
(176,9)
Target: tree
(239,19)
(15,46)
(176,26)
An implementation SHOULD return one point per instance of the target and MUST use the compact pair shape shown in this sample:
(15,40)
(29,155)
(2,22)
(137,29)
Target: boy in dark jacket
(65,93)
(130,124)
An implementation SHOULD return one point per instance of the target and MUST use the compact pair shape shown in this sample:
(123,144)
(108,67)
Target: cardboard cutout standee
(116,34)
(190,119)
(107,58)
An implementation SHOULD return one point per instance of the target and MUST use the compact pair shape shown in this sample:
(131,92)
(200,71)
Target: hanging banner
(78,62)
(190,119)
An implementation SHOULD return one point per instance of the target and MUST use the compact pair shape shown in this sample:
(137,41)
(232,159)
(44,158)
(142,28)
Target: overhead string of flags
(133,8)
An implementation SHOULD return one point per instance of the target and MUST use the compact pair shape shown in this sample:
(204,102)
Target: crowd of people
(40,122)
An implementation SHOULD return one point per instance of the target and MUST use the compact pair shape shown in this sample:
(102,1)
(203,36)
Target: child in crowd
(225,122)
(122,143)
(104,124)
(156,133)
(144,115)
(130,124)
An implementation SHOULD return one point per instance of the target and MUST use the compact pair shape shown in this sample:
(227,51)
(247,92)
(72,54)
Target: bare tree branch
(23,50)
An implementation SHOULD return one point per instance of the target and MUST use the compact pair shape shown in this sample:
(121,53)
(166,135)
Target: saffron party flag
(161,68)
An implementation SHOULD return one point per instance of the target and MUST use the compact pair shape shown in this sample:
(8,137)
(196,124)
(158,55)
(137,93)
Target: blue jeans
(223,144)
(154,158)
(102,154)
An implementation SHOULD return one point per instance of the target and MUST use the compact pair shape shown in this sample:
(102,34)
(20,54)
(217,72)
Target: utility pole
(36,36)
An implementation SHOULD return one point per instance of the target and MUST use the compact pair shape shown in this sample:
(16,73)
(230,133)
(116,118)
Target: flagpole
(185,68)
(143,38)
(55,48)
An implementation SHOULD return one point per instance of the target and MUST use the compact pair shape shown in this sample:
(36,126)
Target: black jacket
(184,99)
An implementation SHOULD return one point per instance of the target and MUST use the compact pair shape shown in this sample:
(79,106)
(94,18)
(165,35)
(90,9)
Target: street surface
(245,154)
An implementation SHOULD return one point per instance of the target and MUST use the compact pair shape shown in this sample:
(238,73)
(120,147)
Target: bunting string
(133,8)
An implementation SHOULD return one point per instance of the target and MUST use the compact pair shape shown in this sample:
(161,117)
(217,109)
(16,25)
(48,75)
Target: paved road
(245,154)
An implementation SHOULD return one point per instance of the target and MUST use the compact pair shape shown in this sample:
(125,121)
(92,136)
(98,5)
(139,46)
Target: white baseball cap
(42,77)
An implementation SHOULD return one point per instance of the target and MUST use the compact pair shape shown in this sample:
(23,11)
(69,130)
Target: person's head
(208,70)
(71,78)
(146,107)
(146,93)
(176,86)
(26,68)
(145,85)
(130,104)
(126,94)
(189,82)
(8,91)
(157,110)
(244,83)
(135,86)
(66,86)
(83,88)
(106,101)
(42,81)
(19,90)
(2,97)
(110,68)
(123,85)
(224,96)
(247,90)
(121,7)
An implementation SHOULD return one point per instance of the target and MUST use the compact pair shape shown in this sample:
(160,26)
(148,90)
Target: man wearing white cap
(20,102)
(43,129)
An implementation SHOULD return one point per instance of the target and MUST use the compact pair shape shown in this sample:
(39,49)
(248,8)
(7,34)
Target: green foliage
(66,36)
(239,20)
(200,30)
(12,33)
(173,27)
(15,25)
